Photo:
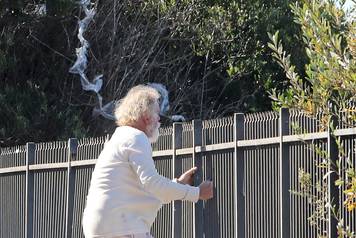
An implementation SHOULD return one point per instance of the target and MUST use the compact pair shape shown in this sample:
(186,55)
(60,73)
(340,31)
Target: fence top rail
(51,145)
(261,116)
(250,120)
(197,149)
(93,140)
(166,130)
(13,150)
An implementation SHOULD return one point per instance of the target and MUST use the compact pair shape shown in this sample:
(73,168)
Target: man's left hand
(188,176)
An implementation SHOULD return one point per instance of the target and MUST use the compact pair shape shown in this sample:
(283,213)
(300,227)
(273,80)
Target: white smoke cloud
(81,63)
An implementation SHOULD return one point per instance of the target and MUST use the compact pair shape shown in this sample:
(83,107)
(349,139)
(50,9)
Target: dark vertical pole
(239,175)
(72,153)
(197,160)
(333,193)
(177,205)
(30,159)
(284,174)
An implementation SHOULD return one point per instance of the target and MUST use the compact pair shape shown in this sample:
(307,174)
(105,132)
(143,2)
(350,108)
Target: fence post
(197,161)
(177,205)
(30,159)
(239,175)
(284,184)
(72,153)
(333,192)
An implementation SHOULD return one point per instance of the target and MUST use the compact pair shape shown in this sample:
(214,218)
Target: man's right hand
(206,190)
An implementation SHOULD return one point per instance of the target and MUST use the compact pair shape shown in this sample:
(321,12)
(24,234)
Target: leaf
(275,38)
(339,182)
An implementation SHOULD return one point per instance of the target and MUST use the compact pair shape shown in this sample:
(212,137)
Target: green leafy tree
(35,87)
(211,54)
(329,37)
(329,87)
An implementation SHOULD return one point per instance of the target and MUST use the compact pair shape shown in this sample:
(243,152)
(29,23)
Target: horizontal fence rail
(254,160)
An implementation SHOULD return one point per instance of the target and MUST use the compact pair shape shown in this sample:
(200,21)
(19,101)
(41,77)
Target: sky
(348,4)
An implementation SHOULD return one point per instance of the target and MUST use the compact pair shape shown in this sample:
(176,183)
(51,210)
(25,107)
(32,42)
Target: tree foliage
(329,36)
(35,87)
(212,55)
(328,87)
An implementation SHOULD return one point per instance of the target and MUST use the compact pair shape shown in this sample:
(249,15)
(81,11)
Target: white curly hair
(138,101)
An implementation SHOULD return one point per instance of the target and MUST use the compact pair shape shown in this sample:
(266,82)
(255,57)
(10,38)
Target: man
(126,191)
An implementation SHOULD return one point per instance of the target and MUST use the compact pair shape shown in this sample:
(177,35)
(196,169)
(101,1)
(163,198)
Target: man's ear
(146,119)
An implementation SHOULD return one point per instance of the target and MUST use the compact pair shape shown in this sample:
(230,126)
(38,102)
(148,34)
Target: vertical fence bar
(72,153)
(30,158)
(197,161)
(284,174)
(333,192)
(177,205)
(239,175)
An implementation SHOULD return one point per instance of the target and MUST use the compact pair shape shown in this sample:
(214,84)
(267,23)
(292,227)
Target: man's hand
(206,190)
(187,177)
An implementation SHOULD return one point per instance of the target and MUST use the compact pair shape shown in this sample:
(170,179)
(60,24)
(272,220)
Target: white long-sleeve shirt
(126,191)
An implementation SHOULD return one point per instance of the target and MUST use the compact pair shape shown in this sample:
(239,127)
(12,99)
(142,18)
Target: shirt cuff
(192,193)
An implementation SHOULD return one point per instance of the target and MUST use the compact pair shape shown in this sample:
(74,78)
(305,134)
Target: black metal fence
(253,161)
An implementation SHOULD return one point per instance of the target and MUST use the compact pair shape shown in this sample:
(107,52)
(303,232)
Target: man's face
(152,129)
